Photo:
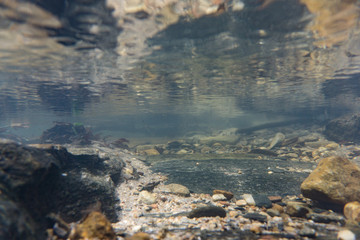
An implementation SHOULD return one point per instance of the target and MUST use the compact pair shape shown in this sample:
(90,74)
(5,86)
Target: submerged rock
(208,211)
(335,180)
(36,182)
(346,128)
(94,226)
(352,211)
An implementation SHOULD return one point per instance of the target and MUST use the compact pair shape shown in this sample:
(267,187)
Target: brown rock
(297,209)
(178,189)
(227,194)
(151,152)
(139,236)
(352,211)
(335,180)
(94,226)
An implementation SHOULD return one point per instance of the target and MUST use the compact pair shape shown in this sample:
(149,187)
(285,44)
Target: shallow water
(240,176)
(236,68)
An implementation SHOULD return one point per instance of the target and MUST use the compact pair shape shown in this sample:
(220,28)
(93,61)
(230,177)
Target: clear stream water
(262,64)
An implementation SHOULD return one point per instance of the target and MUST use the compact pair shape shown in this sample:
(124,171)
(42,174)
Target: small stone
(273,212)
(262,200)
(332,146)
(182,151)
(240,203)
(297,209)
(227,194)
(178,189)
(249,199)
(346,235)
(275,199)
(276,210)
(139,236)
(218,197)
(147,197)
(208,211)
(255,228)
(256,216)
(151,152)
(233,214)
(352,211)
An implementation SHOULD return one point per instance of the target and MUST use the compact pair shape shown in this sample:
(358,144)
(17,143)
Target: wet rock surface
(39,181)
(344,129)
(335,180)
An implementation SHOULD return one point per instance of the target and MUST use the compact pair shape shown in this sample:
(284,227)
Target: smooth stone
(240,203)
(147,197)
(346,235)
(262,200)
(273,212)
(352,211)
(297,209)
(178,189)
(255,216)
(227,194)
(218,197)
(335,180)
(208,211)
(249,199)
(151,152)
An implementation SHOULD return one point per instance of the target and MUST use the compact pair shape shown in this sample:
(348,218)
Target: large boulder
(37,181)
(344,129)
(335,180)
(26,175)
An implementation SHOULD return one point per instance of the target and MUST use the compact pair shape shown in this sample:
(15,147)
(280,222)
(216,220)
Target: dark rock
(63,133)
(344,129)
(26,175)
(149,186)
(208,211)
(256,216)
(263,152)
(36,182)
(335,180)
(326,218)
(262,200)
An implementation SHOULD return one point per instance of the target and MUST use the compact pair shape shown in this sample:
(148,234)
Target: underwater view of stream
(242,95)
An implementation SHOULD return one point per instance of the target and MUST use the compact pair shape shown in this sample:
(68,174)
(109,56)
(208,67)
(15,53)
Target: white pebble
(249,199)
(346,235)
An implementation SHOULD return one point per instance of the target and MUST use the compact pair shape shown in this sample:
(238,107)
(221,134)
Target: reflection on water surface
(166,69)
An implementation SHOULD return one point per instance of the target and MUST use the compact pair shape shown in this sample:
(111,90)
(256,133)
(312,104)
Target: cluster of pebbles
(151,209)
